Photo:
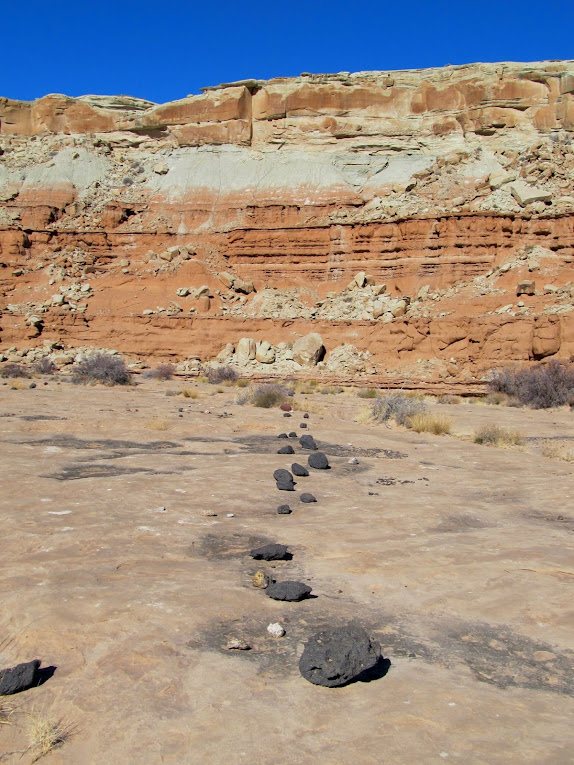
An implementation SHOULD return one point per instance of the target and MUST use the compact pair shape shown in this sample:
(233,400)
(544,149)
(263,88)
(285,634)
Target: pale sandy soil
(462,569)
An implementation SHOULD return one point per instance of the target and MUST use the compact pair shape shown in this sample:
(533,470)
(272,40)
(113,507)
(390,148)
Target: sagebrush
(13,370)
(161,372)
(543,386)
(397,406)
(103,368)
(222,374)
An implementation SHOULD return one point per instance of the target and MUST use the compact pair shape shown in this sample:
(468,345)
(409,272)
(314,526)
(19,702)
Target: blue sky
(166,49)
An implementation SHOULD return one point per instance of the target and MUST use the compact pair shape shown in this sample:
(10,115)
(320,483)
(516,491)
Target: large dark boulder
(271,552)
(335,657)
(286,450)
(308,442)
(282,475)
(319,461)
(299,469)
(19,678)
(292,591)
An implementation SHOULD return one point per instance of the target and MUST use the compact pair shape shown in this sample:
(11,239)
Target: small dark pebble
(32,385)
(286,414)
(303,425)
(299,469)
(180,409)
(270,552)
(292,434)
(282,435)
(306,416)
(307,498)
(286,450)
(284,510)
(318,461)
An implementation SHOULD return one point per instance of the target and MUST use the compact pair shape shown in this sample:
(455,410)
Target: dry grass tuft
(7,709)
(555,450)
(494,435)
(46,733)
(367,393)
(18,385)
(157,423)
(242,383)
(190,393)
(438,424)
(364,416)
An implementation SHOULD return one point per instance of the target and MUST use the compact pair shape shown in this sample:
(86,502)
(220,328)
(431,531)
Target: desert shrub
(446,398)
(557,451)
(157,423)
(495,435)
(242,383)
(424,422)
(218,375)
(333,389)
(161,372)
(541,387)
(44,366)
(496,399)
(397,406)
(13,370)
(367,393)
(103,368)
(268,395)
(190,393)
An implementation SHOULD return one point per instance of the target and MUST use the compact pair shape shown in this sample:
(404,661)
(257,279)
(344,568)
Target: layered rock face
(392,213)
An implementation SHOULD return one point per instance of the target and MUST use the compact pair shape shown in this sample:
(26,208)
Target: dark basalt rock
(286,450)
(318,461)
(270,552)
(336,657)
(308,442)
(303,425)
(307,498)
(282,435)
(287,414)
(299,469)
(284,510)
(285,486)
(306,416)
(19,678)
(292,434)
(292,591)
(282,475)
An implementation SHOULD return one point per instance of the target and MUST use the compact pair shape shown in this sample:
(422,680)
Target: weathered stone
(361,279)
(308,350)
(526,194)
(245,350)
(261,580)
(526,288)
(299,470)
(226,279)
(336,657)
(307,498)
(19,678)
(264,352)
(308,442)
(284,510)
(289,590)
(270,552)
(319,461)
(286,450)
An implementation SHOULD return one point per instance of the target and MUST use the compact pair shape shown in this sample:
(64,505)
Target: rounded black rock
(336,657)
(303,425)
(299,470)
(286,450)
(308,442)
(287,414)
(284,510)
(270,552)
(19,678)
(318,460)
(282,475)
(291,591)
(307,498)
(286,485)
(306,416)
(282,435)
(292,434)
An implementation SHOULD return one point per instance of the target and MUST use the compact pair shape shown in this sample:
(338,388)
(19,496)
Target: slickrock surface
(393,214)
(116,571)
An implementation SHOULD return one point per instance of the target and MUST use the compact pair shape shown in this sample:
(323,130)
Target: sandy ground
(457,557)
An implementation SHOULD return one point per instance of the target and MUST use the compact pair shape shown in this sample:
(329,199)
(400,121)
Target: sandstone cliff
(173,230)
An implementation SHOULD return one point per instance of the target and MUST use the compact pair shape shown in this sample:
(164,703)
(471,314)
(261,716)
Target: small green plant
(102,368)
(495,435)
(367,393)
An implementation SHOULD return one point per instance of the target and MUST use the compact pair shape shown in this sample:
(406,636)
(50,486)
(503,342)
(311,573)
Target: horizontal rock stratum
(174,230)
